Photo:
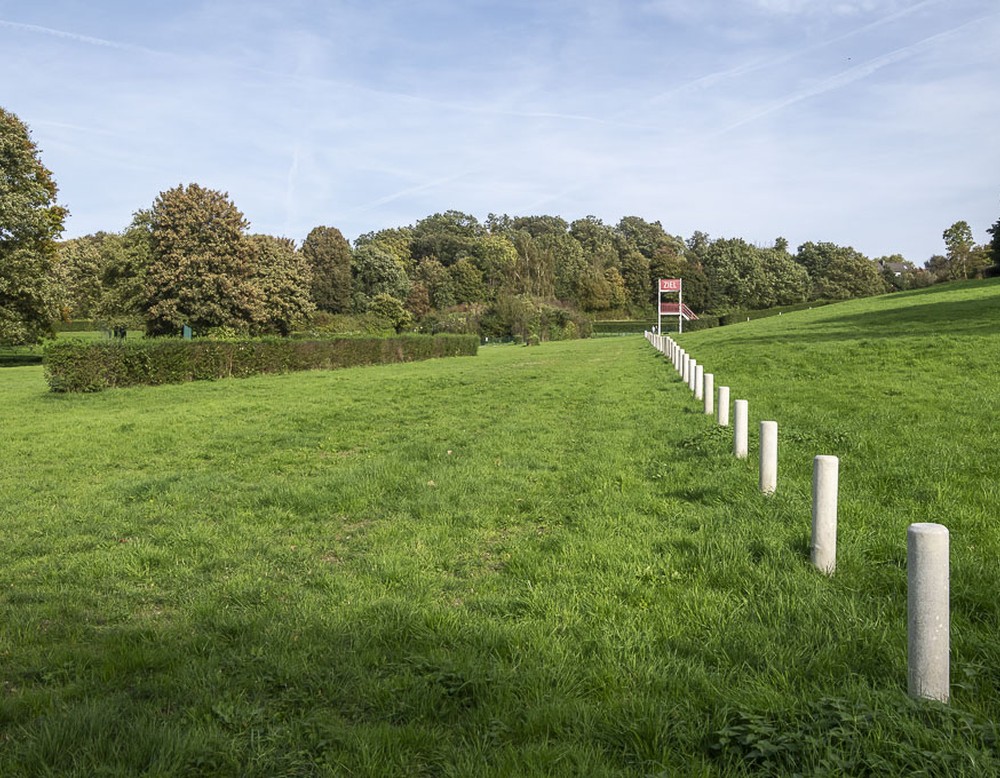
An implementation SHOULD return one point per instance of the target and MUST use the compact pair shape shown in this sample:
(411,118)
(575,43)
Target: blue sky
(871,123)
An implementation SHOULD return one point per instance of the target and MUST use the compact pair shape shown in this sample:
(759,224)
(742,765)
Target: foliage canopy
(30,223)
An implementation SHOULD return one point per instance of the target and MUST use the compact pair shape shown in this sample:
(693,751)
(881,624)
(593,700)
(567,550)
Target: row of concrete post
(928,613)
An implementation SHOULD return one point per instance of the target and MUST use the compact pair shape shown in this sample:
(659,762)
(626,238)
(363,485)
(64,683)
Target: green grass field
(536,561)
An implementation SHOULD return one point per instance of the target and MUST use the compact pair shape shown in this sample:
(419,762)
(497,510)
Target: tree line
(191,260)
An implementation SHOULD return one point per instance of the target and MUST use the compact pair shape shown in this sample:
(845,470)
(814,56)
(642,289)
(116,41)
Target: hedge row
(75,366)
(735,317)
(620,327)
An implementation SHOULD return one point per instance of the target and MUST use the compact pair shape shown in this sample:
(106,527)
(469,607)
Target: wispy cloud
(372,115)
(75,37)
(847,77)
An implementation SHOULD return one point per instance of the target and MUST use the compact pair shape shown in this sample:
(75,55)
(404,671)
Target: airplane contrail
(77,37)
(846,77)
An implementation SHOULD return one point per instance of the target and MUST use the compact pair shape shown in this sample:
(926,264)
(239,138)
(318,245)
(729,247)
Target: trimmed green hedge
(78,325)
(77,366)
(620,327)
(736,317)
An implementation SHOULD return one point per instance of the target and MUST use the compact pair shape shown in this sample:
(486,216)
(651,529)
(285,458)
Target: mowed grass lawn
(536,561)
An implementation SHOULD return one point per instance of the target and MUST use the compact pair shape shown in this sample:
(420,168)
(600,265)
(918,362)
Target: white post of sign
(659,308)
(680,308)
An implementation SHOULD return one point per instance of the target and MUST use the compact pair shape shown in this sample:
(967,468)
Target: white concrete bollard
(708,393)
(768,457)
(699,382)
(823,549)
(686,368)
(722,409)
(741,418)
(692,373)
(928,614)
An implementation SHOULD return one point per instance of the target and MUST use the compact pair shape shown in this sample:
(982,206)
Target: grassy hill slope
(540,561)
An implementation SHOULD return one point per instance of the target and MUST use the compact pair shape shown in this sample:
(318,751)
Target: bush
(78,366)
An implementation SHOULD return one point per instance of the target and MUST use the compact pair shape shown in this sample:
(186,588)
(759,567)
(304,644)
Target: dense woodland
(190,259)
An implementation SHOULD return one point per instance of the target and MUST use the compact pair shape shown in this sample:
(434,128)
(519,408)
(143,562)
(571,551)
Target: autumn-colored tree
(201,272)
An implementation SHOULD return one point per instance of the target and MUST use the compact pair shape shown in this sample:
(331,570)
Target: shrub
(78,366)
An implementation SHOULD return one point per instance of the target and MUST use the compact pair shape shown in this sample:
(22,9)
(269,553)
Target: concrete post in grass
(823,548)
(928,615)
(741,418)
(686,368)
(692,373)
(768,457)
(708,393)
(699,382)
(722,410)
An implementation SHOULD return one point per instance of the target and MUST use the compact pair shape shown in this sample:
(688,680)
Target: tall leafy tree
(200,271)
(375,271)
(329,257)
(283,283)
(788,282)
(994,243)
(77,272)
(497,258)
(635,274)
(597,241)
(467,282)
(959,242)
(30,223)
(533,272)
(839,272)
(735,271)
(125,261)
(447,237)
(438,283)
(395,241)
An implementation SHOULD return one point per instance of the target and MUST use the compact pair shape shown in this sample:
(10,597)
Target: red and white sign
(670,284)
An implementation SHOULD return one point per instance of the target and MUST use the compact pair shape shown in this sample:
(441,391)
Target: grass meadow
(535,561)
